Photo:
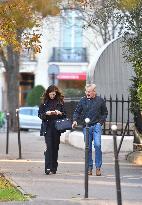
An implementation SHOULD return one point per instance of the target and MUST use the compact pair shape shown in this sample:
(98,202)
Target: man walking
(93,107)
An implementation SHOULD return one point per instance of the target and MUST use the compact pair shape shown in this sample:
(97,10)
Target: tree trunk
(12,77)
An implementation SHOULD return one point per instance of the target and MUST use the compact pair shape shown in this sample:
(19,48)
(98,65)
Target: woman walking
(51,109)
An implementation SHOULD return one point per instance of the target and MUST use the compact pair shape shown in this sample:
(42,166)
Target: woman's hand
(51,113)
(58,112)
(48,113)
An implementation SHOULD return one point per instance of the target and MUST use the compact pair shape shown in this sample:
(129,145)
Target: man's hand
(74,124)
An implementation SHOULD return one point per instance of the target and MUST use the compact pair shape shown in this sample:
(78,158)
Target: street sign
(53,69)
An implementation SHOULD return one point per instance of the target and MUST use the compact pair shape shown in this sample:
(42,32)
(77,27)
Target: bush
(34,96)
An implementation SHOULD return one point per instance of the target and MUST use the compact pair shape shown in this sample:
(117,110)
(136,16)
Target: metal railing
(118,113)
(69,54)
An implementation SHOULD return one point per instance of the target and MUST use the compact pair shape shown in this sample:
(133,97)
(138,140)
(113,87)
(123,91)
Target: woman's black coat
(48,121)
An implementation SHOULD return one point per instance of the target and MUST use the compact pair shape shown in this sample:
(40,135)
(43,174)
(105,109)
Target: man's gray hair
(93,86)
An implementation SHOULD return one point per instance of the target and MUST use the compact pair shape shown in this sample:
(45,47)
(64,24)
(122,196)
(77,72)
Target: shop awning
(71,76)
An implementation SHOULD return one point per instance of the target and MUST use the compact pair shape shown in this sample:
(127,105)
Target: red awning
(71,76)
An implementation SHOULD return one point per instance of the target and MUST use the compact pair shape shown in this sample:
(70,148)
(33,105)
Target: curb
(13,183)
(76,139)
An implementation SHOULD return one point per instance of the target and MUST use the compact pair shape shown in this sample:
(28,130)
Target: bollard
(87,120)
(19,139)
(117,171)
(7,133)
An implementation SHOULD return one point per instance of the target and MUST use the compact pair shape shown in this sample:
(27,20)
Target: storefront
(72,80)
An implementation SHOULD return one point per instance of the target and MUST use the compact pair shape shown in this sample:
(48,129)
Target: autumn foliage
(20,17)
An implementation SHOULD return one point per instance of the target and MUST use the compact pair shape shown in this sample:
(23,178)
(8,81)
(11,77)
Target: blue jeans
(94,134)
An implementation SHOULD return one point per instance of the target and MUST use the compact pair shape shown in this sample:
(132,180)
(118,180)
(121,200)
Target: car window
(35,112)
(26,111)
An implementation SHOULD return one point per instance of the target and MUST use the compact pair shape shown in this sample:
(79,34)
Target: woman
(51,109)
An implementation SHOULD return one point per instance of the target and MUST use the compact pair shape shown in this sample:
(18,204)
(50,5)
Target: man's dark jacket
(93,108)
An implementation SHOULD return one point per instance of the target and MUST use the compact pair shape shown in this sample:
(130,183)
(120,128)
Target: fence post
(110,115)
(87,120)
(122,119)
(128,131)
(117,171)
(116,109)
(7,132)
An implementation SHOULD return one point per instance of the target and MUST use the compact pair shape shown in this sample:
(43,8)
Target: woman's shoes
(47,172)
(53,172)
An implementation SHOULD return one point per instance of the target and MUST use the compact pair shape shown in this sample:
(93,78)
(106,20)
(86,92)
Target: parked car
(2,119)
(28,118)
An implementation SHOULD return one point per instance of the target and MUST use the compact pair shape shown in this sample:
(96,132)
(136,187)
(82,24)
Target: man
(93,107)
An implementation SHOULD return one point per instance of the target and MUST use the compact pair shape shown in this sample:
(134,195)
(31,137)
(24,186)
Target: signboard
(53,69)
(71,76)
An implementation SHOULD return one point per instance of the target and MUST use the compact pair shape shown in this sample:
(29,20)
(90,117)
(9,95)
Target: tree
(123,16)
(19,21)
(133,45)
(102,17)
(131,12)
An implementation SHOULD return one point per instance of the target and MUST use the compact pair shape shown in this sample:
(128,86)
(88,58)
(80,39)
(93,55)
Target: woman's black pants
(52,140)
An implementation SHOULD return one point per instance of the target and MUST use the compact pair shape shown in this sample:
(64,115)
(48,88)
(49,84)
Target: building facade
(67,50)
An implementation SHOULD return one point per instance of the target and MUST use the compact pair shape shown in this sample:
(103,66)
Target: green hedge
(34,96)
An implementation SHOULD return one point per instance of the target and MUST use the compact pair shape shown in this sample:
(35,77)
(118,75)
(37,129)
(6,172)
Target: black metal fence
(118,113)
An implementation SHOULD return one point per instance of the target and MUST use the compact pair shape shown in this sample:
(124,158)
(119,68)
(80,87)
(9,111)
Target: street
(67,186)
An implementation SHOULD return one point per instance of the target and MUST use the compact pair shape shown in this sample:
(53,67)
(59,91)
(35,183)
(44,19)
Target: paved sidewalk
(67,186)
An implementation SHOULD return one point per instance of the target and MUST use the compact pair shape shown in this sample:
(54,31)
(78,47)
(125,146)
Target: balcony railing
(64,54)
(28,56)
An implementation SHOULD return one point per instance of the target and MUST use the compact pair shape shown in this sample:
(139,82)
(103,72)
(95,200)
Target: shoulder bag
(63,124)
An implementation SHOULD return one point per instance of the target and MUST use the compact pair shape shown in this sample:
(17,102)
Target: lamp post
(87,120)
(117,171)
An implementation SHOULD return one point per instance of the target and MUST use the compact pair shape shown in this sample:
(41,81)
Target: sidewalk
(67,186)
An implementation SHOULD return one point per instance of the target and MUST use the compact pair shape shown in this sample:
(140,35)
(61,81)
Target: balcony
(70,55)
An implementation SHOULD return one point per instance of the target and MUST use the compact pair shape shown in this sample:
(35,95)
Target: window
(71,35)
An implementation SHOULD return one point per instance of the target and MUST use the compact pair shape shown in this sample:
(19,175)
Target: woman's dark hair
(52,88)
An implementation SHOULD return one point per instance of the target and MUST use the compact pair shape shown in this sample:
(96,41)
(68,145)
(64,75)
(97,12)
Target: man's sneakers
(98,171)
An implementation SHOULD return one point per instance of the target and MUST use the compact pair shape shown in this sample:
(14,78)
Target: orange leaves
(81,2)
(47,7)
(32,41)
(128,4)
(16,16)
